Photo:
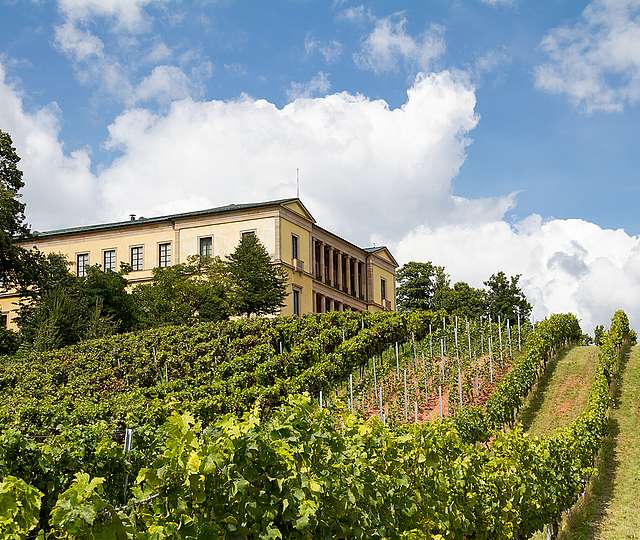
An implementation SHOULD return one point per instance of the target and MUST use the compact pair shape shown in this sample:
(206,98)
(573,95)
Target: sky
(482,135)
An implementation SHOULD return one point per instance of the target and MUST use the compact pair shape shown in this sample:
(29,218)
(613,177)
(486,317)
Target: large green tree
(505,297)
(195,291)
(259,287)
(462,300)
(12,220)
(57,308)
(421,285)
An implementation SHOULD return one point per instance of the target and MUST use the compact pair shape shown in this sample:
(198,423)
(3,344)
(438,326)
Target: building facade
(325,272)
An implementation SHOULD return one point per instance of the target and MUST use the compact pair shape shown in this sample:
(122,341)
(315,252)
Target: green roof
(160,219)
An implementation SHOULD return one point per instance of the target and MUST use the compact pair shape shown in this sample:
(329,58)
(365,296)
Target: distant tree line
(423,285)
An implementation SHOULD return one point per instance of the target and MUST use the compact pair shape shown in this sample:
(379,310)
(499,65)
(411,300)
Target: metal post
(519,338)
(381,409)
(490,361)
(509,338)
(441,375)
(397,362)
(351,392)
(406,398)
(500,340)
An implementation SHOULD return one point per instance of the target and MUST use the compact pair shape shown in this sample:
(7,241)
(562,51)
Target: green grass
(562,392)
(611,511)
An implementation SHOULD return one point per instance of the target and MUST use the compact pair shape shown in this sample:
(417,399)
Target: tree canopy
(12,219)
(258,286)
(423,285)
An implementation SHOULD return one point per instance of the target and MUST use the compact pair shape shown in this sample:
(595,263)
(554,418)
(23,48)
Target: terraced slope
(611,511)
(562,393)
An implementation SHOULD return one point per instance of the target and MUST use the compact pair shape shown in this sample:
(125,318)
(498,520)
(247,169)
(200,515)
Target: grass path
(611,511)
(562,392)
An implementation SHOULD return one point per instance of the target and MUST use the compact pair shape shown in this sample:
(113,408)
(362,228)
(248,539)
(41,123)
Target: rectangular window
(296,302)
(109,260)
(206,247)
(294,246)
(137,258)
(82,263)
(248,233)
(4,320)
(164,255)
(383,288)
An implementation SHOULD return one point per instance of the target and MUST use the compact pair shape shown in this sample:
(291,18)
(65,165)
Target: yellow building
(326,272)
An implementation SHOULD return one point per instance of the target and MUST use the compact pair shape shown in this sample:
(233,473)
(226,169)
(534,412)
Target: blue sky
(563,161)
(477,133)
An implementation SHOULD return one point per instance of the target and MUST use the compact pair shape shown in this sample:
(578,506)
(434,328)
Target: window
(137,258)
(206,246)
(296,302)
(109,257)
(82,263)
(294,246)
(164,255)
(248,233)
(383,288)
(4,320)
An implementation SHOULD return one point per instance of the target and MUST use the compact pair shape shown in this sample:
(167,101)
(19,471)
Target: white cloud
(330,50)
(319,84)
(368,172)
(389,45)
(57,183)
(119,79)
(164,84)
(567,265)
(159,52)
(357,14)
(595,62)
(128,14)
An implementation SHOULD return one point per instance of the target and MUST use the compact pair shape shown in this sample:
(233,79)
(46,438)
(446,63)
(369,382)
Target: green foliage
(598,335)
(504,297)
(19,508)
(258,286)
(419,284)
(299,472)
(11,209)
(59,309)
(187,293)
(9,341)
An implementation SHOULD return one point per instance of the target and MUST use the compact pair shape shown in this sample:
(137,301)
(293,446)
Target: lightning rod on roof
(297,182)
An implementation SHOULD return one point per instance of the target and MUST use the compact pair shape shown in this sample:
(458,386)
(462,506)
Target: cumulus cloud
(567,265)
(368,171)
(57,183)
(595,62)
(390,45)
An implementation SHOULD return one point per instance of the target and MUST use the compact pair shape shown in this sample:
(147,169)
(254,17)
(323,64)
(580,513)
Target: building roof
(160,219)
(376,249)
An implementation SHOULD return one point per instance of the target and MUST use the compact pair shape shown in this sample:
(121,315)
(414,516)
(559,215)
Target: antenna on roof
(297,182)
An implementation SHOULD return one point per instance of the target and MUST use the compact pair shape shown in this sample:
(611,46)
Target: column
(331,266)
(356,278)
(314,308)
(313,258)
(321,261)
(339,284)
(348,276)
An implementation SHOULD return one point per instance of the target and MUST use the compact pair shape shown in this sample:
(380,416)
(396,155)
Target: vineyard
(375,425)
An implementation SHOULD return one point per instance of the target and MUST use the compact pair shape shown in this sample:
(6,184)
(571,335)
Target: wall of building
(226,235)
(379,272)
(301,280)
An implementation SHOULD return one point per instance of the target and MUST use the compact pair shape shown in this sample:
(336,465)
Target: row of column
(323,268)
(323,304)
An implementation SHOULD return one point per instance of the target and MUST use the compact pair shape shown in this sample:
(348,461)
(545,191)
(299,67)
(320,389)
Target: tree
(258,286)
(12,217)
(505,297)
(195,291)
(58,308)
(598,335)
(461,300)
(421,285)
